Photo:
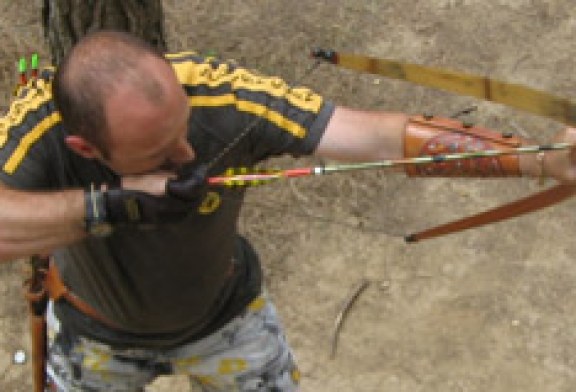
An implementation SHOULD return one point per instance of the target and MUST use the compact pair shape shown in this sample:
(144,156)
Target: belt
(58,291)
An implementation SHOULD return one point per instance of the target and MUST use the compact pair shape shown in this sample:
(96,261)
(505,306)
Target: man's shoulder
(31,110)
(30,117)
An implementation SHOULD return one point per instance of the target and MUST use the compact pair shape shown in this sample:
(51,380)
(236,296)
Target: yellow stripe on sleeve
(250,107)
(27,141)
(194,74)
(35,98)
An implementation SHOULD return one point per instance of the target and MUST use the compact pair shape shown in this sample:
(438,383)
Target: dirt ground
(493,309)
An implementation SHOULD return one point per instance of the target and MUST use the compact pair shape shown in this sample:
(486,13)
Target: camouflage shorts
(248,354)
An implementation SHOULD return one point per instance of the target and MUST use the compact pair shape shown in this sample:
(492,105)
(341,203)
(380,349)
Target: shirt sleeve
(280,119)
(24,161)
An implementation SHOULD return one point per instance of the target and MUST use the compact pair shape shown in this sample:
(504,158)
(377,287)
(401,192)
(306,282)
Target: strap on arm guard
(427,135)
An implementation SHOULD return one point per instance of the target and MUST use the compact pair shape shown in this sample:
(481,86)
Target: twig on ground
(343,311)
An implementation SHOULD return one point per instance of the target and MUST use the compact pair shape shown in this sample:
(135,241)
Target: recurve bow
(513,95)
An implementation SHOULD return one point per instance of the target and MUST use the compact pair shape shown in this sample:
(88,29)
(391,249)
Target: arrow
(245,177)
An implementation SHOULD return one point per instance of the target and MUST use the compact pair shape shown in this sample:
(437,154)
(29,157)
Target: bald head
(92,71)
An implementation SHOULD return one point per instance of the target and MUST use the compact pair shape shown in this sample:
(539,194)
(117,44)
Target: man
(109,177)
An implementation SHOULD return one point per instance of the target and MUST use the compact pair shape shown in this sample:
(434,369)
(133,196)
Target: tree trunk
(66,21)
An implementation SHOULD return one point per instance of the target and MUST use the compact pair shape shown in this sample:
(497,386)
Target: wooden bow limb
(512,95)
(531,203)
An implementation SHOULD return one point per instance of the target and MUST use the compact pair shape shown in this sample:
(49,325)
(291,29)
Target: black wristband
(96,219)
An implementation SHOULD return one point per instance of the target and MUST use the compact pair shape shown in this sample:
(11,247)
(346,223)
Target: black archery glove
(117,206)
(125,206)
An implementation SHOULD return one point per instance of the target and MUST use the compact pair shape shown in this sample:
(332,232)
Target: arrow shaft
(247,178)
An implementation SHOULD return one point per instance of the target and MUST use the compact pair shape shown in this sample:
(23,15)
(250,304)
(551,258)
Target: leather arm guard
(428,136)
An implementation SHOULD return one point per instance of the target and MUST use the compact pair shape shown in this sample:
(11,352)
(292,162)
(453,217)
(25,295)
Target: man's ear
(82,147)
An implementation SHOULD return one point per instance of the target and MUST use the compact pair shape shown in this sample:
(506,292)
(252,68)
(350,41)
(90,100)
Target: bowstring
(258,120)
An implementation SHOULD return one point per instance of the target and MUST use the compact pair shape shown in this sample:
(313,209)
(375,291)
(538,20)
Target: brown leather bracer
(427,135)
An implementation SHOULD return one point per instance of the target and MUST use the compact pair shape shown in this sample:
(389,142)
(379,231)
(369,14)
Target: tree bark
(66,21)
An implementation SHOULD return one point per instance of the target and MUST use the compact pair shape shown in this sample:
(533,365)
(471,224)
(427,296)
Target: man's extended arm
(358,135)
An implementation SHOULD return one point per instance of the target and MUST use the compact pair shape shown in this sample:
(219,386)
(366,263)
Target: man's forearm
(38,223)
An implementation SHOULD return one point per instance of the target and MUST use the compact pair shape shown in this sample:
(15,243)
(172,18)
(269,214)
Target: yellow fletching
(234,181)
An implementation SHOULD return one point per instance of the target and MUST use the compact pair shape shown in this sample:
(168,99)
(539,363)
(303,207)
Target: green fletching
(34,61)
(22,65)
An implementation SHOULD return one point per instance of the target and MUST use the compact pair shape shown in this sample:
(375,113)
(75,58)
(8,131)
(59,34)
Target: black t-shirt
(174,282)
